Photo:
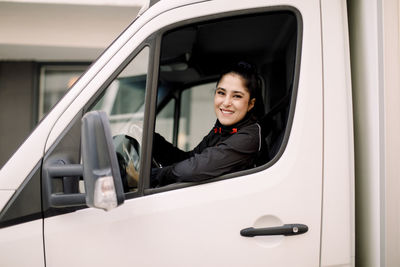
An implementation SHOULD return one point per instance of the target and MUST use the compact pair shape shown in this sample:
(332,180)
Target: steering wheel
(128,155)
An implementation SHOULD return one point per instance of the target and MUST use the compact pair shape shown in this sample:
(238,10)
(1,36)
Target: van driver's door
(201,224)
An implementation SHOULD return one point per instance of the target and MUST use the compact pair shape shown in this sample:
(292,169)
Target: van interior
(194,54)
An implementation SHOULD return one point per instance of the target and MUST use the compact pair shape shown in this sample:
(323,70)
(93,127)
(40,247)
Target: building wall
(54,32)
(17,99)
(34,32)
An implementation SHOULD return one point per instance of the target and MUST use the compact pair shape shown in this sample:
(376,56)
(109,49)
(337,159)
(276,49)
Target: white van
(296,208)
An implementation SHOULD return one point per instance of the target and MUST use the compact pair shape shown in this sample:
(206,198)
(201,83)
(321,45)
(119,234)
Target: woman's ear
(252,102)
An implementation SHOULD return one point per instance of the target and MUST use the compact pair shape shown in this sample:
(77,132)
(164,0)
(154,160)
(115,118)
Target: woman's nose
(227,101)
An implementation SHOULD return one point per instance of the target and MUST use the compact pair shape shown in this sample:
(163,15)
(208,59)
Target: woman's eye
(237,96)
(220,93)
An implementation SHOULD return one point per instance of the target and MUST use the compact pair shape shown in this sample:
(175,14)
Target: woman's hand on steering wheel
(132,174)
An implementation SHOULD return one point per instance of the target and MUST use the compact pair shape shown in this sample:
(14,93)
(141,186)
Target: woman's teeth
(226,111)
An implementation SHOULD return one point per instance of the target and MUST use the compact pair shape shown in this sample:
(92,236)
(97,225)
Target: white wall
(84,2)
(62,30)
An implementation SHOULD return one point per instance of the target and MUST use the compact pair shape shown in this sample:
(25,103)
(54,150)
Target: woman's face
(232,100)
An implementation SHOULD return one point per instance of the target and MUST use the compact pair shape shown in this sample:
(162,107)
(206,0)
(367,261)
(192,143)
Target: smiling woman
(231,145)
(232,100)
(236,93)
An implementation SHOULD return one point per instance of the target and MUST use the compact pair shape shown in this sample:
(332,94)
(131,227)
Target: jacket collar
(232,129)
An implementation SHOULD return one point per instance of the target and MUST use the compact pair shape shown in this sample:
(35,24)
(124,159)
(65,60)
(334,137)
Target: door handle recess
(286,229)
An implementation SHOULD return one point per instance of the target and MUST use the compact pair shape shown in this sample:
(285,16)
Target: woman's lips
(225,111)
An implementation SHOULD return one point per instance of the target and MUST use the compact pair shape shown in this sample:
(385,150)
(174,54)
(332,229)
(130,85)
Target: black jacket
(223,150)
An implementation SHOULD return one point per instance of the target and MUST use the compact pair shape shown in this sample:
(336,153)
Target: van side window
(192,102)
(192,58)
(124,101)
(195,100)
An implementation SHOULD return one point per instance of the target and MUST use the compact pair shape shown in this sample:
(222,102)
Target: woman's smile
(227,112)
(232,100)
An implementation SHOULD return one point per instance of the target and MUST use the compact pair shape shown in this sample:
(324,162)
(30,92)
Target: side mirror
(103,185)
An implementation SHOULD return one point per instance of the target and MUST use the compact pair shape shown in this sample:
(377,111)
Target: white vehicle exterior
(312,182)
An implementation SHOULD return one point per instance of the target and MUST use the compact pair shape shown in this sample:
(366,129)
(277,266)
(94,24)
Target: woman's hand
(132,175)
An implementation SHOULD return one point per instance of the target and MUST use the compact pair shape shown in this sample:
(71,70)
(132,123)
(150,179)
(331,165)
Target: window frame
(150,101)
(292,102)
(149,43)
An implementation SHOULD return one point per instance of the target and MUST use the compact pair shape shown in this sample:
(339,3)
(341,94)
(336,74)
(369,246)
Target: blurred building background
(45,45)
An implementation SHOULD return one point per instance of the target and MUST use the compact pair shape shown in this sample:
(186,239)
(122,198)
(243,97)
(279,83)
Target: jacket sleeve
(234,154)
(165,153)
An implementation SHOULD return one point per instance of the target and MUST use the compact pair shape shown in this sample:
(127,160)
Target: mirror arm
(60,170)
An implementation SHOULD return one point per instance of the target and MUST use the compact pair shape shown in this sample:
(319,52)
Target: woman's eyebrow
(233,91)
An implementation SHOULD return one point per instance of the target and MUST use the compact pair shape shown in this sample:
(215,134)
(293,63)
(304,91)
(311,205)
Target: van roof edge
(147,5)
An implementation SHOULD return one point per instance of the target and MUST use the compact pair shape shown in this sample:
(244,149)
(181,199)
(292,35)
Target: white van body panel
(22,245)
(200,225)
(338,229)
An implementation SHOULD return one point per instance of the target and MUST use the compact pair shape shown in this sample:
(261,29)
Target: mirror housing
(103,185)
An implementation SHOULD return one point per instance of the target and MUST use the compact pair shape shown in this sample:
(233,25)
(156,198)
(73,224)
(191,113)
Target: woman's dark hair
(249,74)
